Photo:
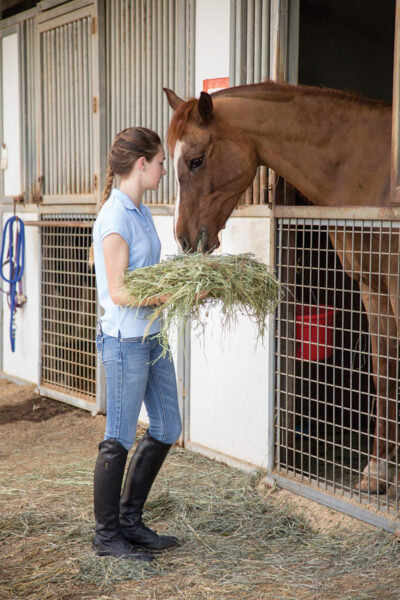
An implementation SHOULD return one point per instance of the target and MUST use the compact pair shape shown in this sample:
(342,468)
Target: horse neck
(334,150)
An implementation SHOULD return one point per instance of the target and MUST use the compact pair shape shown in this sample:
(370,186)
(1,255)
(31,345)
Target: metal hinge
(95,183)
(36,197)
(95,104)
(94,25)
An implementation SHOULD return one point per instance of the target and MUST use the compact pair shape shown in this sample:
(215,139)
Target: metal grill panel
(68,307)
(149,46)
(339,368)
(66,66)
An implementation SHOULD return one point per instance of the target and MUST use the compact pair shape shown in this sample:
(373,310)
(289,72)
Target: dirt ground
(47,454)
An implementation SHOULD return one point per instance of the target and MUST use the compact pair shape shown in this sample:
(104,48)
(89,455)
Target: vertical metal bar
(111,27)
(148,64)
(371,350)
(62,115)
(166,83)
(90,151)
(171,75)
(241,37)
(58,117)
(360,334)
(395,155)
(396,311)
(53,100)
(142,55)
(138,80)
(161,126)
(68,101)
(278,437)
(44,83)
(258,33)
(80,108)
(156,92)
(123,64)
(132,63)
(232,43)
(250,42)
(265,40)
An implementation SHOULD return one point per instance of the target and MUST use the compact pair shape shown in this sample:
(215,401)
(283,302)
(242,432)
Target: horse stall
(337,353)
(302,403)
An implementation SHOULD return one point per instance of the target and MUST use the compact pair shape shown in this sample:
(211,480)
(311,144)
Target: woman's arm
(116,258)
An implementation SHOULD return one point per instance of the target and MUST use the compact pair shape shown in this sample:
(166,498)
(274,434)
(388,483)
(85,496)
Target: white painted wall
(230,375)
(25,361)
(11,114)
(212,40)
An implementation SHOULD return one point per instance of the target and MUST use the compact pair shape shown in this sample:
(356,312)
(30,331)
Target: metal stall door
(69,158)
(337,358)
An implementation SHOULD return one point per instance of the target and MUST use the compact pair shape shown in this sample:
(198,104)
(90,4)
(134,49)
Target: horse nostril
(184,243)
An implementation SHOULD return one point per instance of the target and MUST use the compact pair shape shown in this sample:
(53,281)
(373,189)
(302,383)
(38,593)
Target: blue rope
(15,259)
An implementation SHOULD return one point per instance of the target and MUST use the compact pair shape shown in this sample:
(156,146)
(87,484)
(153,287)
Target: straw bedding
(236,544)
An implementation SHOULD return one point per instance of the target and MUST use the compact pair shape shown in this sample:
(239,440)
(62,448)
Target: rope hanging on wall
(14,229)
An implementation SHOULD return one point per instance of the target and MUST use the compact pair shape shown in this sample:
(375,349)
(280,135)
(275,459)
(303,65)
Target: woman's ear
(141,163)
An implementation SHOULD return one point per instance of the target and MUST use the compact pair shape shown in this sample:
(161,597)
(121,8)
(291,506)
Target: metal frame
(77,12)
(62,374)
(375,217)
(395,162)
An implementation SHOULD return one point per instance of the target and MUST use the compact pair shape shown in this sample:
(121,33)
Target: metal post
(395,163)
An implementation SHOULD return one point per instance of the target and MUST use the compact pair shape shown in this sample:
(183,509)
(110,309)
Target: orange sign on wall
(213,85)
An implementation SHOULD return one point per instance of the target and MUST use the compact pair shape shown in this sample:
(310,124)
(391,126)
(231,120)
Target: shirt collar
(125,200)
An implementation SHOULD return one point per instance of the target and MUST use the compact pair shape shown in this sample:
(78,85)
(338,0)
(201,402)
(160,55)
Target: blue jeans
(132,378)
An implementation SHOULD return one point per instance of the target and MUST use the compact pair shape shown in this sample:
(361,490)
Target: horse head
(214,164)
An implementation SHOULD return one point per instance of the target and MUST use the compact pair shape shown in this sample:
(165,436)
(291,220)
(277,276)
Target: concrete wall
(230,376)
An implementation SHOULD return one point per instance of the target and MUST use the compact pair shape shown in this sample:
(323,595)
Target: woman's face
(154,170)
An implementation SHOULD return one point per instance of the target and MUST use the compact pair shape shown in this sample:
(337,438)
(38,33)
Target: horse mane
(302,90)
(187,110)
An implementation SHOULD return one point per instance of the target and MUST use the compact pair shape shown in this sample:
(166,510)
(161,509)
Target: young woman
(124,237)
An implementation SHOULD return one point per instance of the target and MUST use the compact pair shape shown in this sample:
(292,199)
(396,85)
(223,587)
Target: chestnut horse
(332,147)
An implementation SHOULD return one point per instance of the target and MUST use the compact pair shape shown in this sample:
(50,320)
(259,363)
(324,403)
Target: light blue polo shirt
(119,215)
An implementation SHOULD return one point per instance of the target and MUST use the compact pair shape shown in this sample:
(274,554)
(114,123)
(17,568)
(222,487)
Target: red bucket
(314,332)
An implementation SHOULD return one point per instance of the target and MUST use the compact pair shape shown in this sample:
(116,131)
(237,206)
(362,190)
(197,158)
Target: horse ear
(205,108)
(173,100)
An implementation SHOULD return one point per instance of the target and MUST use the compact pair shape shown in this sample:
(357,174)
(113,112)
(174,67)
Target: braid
(108,185)
(106,195)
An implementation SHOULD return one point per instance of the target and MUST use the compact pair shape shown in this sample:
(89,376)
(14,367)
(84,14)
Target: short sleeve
(114,220)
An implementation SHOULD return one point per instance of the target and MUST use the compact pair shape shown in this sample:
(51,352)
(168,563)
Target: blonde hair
(129,145)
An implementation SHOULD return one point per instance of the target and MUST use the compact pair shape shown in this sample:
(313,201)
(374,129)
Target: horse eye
(195,163)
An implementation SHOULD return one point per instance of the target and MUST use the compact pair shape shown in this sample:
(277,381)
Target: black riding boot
(143,468)
(108,474)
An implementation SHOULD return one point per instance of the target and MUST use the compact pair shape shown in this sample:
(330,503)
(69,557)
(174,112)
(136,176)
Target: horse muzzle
(200,243)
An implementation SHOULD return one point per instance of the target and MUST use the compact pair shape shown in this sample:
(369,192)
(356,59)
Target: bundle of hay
(239,282)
